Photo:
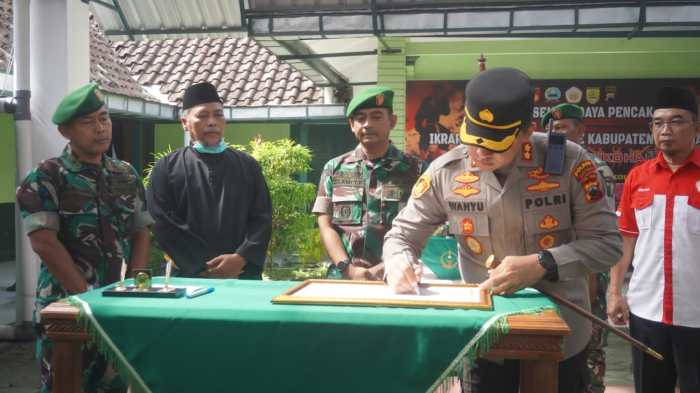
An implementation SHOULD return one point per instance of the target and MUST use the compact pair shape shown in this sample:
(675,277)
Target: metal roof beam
(326,55)
(102,3)
(122,18)
(605,18)
(202,30)
(297,48)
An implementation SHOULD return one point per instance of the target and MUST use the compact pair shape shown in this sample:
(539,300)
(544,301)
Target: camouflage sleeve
(322,205)
(597,245)
(38,202)
(142,218)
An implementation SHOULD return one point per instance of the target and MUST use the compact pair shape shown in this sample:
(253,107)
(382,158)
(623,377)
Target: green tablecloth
(235,339)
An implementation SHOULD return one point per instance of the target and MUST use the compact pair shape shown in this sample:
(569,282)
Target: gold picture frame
(377,293)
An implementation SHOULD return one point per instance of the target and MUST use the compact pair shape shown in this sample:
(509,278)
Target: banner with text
(617,114)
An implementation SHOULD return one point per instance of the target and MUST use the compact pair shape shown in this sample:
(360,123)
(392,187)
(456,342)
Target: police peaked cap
(498,105)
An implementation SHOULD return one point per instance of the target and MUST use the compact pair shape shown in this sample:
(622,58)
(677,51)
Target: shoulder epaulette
(456,154)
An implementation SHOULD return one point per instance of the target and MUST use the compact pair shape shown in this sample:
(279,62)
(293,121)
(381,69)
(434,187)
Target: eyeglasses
(673,124)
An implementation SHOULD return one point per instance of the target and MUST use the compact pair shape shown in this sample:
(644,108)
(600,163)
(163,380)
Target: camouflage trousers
(596,360)
(98,375)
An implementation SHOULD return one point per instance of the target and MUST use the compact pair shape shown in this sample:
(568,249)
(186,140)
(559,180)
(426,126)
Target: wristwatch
(343,265)
(546,260)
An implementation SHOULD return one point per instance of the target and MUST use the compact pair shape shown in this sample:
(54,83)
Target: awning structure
(298,31)
(137,107)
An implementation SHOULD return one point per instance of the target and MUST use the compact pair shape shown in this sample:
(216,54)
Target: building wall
(7,159)
(582,58)
(7,187)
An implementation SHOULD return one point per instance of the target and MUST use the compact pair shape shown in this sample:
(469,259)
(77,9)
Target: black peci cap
(676,97)
(200,93)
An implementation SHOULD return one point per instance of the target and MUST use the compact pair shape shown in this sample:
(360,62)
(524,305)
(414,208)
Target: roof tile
(244,72)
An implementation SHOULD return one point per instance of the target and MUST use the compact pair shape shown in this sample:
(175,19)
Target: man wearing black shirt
(210,203)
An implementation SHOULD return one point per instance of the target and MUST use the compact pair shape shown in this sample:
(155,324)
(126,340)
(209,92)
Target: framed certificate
(377,293)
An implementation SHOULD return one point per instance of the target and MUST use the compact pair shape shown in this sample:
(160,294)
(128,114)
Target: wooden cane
(491,263)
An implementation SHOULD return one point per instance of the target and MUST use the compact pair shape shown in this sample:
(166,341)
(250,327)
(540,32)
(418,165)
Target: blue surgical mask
(220,148)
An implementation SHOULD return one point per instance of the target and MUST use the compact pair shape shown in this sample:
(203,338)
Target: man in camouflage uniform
(83,212)
(361,191)
(547,229)
(568,119)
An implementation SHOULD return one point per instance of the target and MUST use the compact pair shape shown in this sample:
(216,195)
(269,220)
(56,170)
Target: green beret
(375,97)
(562,111)
(81,101)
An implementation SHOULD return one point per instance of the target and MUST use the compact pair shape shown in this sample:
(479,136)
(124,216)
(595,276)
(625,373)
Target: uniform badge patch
(379,99)
(583,170)
(421,186)
(391,193)
(593,191)
(546,241)
(467,226)
(448,260)
(345,212)
(473,245)
(548,222)
(526,152)
(541,184)
(467,178)
(466,190)
(486,115)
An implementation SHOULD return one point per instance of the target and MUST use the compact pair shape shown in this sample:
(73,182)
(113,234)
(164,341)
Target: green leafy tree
(295,247)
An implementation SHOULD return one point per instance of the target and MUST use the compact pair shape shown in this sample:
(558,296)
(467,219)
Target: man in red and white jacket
(659,218)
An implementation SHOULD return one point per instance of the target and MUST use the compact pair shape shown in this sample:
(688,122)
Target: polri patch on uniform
(467,226)
(548,222)
(466,190)
(421,186)
(473,245)
(546,241)
(593,190)
(526,152)
(583,170)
